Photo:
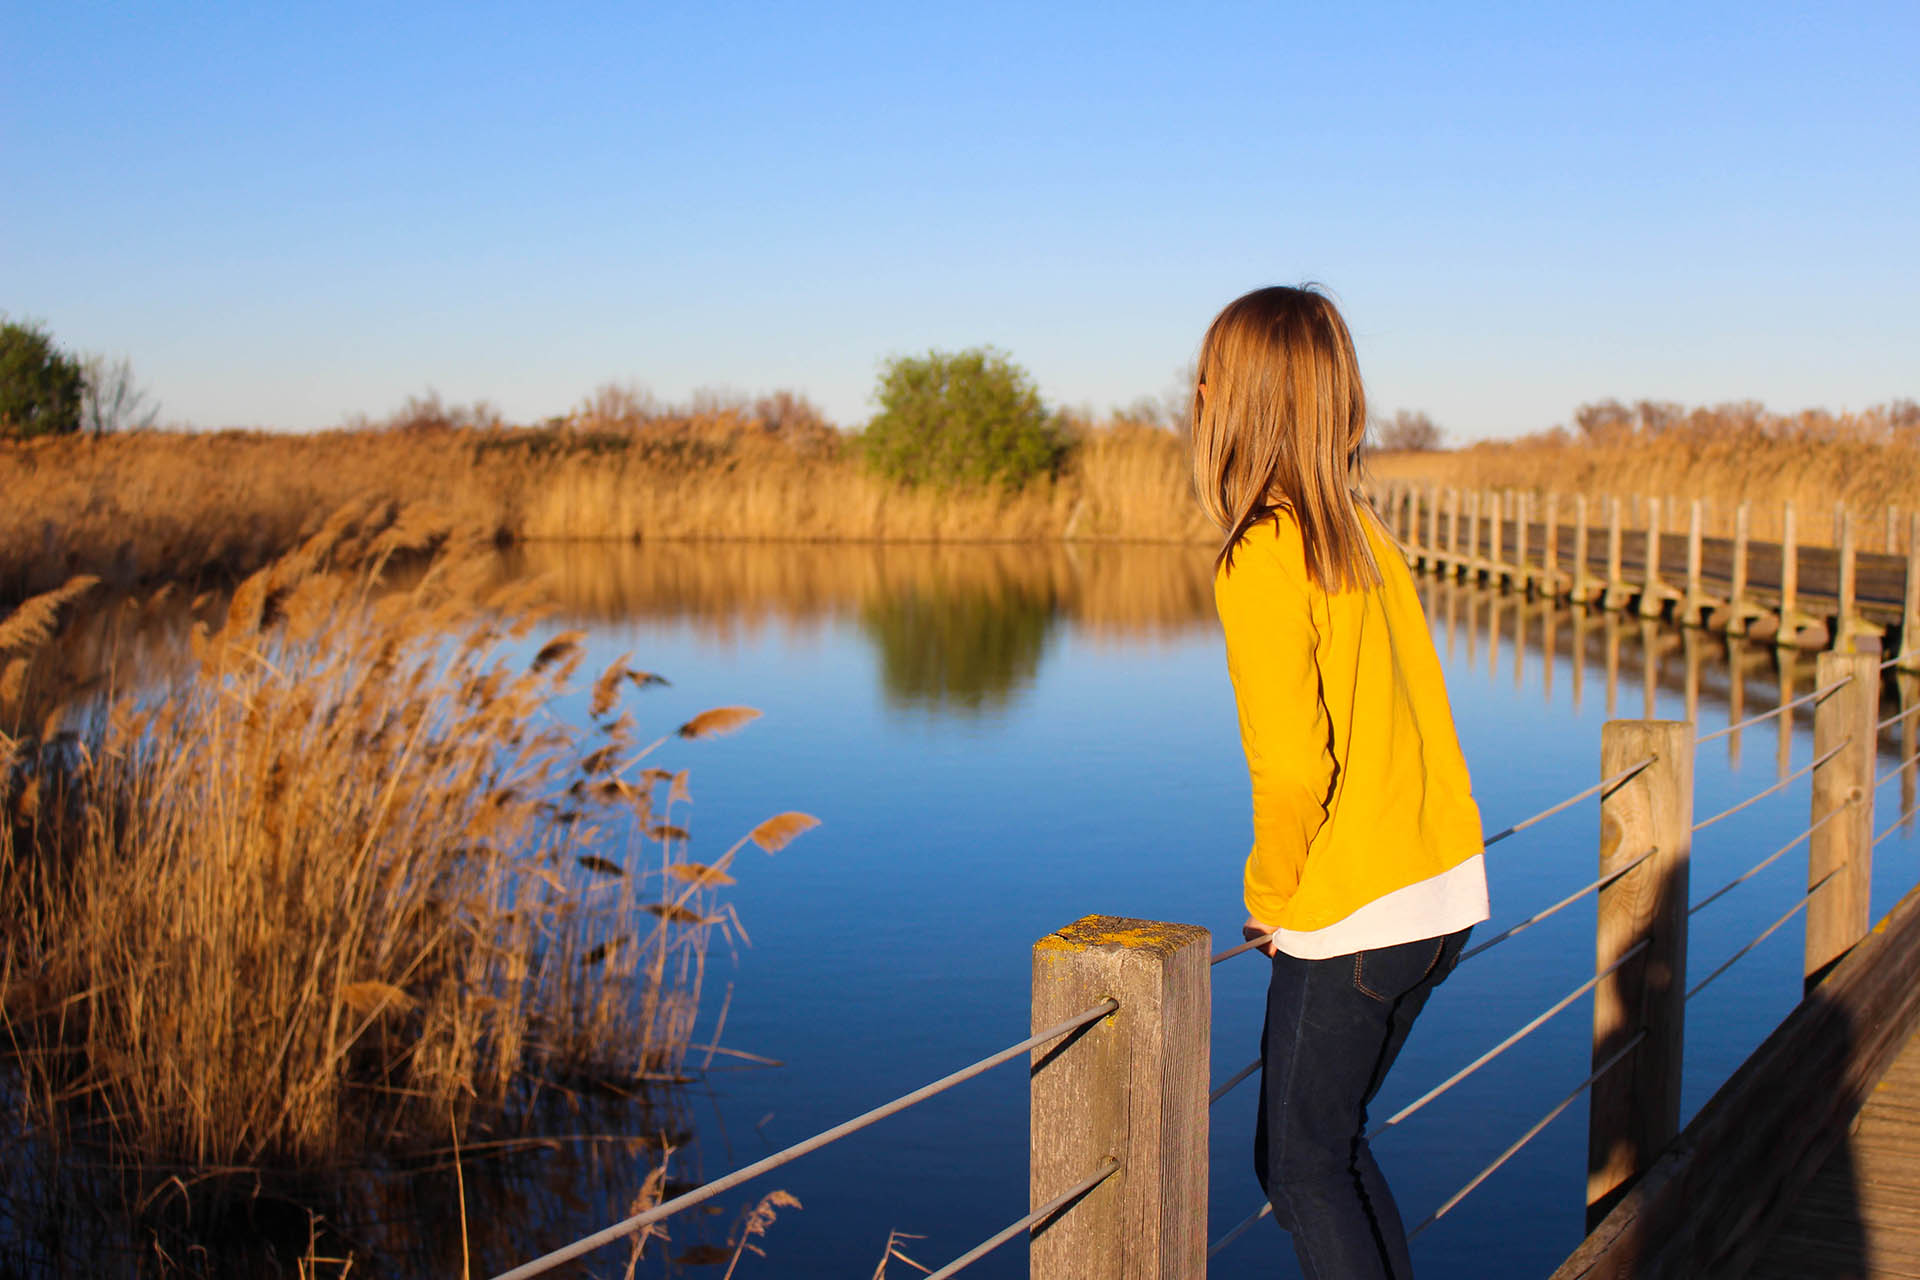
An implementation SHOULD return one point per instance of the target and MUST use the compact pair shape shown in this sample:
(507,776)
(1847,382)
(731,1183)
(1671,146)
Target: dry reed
(346,876)
(149,507)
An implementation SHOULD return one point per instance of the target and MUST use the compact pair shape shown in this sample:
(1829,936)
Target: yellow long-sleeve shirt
(1361,798)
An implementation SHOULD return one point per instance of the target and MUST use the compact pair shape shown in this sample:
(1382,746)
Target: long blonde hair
(1279,420)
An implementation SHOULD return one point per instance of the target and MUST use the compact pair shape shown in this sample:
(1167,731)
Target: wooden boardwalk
(1860,1215)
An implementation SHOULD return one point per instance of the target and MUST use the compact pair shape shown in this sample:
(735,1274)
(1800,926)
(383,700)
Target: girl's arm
(1266,612)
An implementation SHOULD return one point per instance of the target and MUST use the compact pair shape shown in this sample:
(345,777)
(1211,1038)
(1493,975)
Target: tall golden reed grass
(150,507)
(346,878)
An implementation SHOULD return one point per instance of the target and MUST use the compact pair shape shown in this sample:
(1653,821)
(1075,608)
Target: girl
(1365,876)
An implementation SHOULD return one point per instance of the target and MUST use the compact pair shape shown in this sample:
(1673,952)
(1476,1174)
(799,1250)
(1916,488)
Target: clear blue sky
(284,214)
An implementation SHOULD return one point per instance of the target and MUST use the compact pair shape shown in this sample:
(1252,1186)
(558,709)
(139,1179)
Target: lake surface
(999,740)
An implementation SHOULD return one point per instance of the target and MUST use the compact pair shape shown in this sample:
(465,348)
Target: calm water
(1001,740)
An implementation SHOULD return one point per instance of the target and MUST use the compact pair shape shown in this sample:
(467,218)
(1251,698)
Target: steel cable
(1565,902)
(1526,1137)
(1894,826)
(1894,772)
(1506,1044)
(586,1244)
(1766,862)
(1046,1210)
(1489,842)
(1765,933)
(1768,715)
(1781,785)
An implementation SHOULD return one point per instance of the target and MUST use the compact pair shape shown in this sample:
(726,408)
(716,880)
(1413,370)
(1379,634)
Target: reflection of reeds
(152,506)
(1120,589)
(346,878)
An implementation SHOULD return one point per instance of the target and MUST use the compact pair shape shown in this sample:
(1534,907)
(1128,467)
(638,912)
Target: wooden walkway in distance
(1860,1215)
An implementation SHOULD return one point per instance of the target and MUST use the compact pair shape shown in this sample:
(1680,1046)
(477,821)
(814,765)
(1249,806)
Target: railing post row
(1130,1087)
(1634,1109)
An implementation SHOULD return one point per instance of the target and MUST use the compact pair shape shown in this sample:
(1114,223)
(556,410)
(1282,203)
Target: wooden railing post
(1789,579)
(1550,551)
(1581,590)
(1634,1108)
(1841,851)
(1740,610)
(1473,536)
(1653,592)
(1433,529)
(1523,516)
(1849,625)
(1694,607)
(1910,610)
(1615,596)
(1456,531)
(1133,1087)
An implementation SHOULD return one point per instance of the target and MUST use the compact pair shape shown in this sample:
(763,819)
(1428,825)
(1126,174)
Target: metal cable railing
(1603,785)
(1765,933)
(1895,772)
(1895,825)
(1565,902)
(1777,787)
(1784,707)
(1896,717)
(587,1244)
(1526,1137)
(1240,1075)
(1233,1082)
(1765,862)
(1245,1224)
(1525,1031)
(1045,1211)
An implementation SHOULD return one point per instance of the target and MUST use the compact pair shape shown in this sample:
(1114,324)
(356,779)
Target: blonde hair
(1279,419)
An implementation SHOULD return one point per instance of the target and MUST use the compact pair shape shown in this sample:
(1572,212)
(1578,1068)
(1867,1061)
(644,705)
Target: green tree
(969,417)
(40,386)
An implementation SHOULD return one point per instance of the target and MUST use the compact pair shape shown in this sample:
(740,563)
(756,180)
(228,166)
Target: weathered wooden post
(1844,724)
(1456,532)
(1910,610)
(1472,562)
(1582,590)
(1694,607)
(1740,610)
(1131,1087)
(1550,548)
(1523,516)
(1849,624)
(1634,1108)
(1653,592)
(1433,528)
(1789,578)
(1615,596)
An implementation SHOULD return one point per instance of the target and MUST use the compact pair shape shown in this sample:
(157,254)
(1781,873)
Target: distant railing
(1518,540)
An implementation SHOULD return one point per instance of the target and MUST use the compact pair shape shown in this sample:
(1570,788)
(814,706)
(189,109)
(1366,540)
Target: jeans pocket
(1387,973)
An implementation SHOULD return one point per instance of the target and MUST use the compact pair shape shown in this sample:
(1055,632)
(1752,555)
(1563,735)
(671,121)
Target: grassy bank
(148,507)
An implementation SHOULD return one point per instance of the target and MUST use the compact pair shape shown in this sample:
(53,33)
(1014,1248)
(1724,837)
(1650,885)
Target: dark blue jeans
(1333,1029)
